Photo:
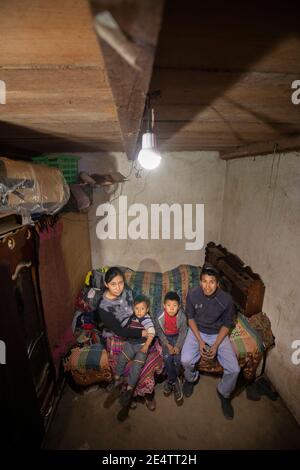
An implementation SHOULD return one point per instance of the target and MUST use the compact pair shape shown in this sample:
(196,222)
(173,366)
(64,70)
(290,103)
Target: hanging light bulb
(149,157)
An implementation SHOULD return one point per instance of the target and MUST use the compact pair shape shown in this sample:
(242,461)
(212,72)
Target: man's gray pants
(131,352)
(226,356)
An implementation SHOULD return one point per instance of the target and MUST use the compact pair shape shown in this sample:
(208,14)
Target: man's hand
(202,348)
(213,351)
(176,350)
(170,348)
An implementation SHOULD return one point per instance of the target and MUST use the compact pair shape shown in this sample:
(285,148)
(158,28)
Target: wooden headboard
(245,286)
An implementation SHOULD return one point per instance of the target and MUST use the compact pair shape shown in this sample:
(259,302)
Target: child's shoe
(188,388)
(151,404)
(112,386)
(168,388)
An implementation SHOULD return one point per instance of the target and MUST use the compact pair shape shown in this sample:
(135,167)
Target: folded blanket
(89,357)
(244,338)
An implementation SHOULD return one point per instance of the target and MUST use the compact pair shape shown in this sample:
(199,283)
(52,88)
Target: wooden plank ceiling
(224,70)
(141,21)
(58,97)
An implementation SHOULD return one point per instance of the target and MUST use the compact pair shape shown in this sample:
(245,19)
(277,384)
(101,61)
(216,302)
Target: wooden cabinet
(27,378)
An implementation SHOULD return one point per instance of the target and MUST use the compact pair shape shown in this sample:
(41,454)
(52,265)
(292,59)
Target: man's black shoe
(188,388)
(125,398)
(226,406)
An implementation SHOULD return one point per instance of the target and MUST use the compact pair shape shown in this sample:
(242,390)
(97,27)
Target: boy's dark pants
(171,361)
(131,352)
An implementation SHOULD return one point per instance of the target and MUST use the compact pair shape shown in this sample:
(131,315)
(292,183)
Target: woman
(115,309)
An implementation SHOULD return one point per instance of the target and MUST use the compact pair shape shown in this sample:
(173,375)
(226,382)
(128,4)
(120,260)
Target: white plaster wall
(261,224)
(182,177)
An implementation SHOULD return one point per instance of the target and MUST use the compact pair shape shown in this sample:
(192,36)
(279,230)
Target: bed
(251,337)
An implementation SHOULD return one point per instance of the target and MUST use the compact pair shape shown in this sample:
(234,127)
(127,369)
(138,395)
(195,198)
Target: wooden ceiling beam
(57,95)
(141,22)
(262,148)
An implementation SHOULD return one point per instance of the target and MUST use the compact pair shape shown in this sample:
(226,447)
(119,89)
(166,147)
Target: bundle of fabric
(262,325)
(88,360)
(89,364)
(89,297)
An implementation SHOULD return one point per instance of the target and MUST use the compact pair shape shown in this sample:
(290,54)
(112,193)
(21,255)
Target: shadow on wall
(149,264)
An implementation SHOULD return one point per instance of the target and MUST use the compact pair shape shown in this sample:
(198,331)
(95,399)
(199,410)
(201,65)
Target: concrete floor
(82,422)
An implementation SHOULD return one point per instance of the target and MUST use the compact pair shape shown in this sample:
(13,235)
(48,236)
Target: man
(210,313)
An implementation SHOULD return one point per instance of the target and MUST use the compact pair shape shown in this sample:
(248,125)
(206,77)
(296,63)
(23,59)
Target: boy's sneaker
(178,394)
(226,406)
(168,388)
(133,404)
(188,388)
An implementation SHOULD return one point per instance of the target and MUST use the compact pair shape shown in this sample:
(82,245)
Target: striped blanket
(88,364)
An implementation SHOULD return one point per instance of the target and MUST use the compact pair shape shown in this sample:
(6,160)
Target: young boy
(171,328)
(135,350)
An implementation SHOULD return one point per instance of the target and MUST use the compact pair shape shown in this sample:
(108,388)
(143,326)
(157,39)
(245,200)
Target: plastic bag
(26,188)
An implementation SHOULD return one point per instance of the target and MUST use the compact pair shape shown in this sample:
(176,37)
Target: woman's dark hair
(172,296)
(109,275)
(141,298)
(113,272)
